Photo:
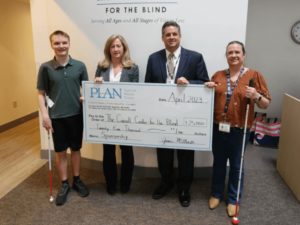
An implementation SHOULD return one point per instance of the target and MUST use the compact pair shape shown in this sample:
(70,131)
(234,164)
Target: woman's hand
(210,84)
(251,93)
(81,99)
(98,79)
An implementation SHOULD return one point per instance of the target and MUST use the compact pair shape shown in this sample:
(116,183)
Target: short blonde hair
(59,32)
(126,60)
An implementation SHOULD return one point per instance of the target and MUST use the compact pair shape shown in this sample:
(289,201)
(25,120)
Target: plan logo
(109,93)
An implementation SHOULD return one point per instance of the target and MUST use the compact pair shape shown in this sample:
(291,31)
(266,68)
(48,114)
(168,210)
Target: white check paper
(149,115)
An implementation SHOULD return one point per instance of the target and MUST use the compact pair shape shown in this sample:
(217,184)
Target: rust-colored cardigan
(237,107)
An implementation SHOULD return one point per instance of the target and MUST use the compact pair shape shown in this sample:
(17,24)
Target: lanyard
(174,67)
(229,91)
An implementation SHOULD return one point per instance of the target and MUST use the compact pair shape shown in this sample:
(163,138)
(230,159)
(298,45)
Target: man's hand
(210,84)
(47,124)
(98,79)
(182,80)
(81,99)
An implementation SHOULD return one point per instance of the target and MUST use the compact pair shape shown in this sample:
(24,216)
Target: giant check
(150,115)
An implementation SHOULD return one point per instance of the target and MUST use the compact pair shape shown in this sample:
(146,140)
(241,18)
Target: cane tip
(235,220)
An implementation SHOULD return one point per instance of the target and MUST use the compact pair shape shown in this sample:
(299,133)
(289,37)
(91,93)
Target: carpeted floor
(266,200)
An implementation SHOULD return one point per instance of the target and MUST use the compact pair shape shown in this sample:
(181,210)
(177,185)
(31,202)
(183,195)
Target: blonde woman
(117,67)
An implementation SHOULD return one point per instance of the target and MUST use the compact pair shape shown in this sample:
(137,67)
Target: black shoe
(61,197)
(161,192)
(111,191)
(124,189)
(82,190)
(184,198)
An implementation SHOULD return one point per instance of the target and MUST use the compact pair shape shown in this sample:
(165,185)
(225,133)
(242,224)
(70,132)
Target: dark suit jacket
(128,74)
(191,66)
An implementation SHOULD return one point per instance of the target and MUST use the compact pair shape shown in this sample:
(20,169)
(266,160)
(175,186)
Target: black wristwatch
(258,99)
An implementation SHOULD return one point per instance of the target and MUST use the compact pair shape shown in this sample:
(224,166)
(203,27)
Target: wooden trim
(19,121)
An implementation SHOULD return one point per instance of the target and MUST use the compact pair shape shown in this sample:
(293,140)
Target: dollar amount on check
(149,115)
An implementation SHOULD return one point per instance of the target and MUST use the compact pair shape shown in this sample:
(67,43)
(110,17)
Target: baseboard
(199,172)
(19,121)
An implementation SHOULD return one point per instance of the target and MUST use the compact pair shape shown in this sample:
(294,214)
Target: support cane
(235,220)
(50,169)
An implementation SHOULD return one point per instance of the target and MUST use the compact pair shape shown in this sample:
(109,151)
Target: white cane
(49,152)
(235,220)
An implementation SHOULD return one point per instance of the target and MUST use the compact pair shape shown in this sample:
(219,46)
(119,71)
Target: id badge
(224,127)
(169,81)
(50,103)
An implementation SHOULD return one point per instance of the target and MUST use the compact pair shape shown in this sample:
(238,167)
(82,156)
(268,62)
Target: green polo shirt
(62,85)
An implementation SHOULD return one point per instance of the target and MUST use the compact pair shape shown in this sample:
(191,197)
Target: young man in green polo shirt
(61,79)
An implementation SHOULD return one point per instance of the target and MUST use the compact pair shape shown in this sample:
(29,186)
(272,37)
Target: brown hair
(170,23)
(57,32)
(236,42)
(126,60)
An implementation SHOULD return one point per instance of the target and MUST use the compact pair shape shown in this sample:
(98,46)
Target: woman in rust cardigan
(231,93)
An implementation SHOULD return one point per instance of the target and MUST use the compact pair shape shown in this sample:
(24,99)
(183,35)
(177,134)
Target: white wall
(206,26)
(270,49)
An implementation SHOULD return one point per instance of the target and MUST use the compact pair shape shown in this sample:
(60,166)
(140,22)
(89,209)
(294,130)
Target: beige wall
(18,75)
(43,52)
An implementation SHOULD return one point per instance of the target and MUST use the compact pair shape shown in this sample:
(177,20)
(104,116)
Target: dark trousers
(110,165)
(165,159)
(228,146)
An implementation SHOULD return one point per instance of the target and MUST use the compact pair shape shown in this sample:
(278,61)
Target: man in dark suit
(175,65)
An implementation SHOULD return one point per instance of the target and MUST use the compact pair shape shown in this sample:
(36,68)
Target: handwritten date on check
(148,115)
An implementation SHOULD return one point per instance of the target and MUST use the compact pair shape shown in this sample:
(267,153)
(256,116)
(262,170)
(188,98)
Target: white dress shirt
(112,77)
(176,60)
